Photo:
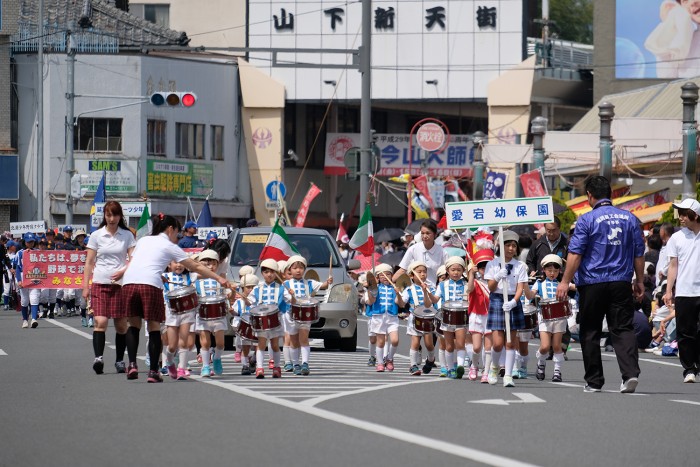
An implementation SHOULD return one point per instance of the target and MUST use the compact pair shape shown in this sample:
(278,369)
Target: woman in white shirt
(426,251)
(107,256)
(143,288)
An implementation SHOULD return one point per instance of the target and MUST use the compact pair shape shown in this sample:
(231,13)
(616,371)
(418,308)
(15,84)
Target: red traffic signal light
(173,99)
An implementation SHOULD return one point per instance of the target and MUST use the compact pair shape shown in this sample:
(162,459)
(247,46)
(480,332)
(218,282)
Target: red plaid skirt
(144,301)
(108,300)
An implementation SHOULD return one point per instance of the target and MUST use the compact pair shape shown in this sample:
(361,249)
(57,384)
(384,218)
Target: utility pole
(70,128)
(606,112)
(366,101)
(478,186)
(40,115)
(538,129)
(689,95)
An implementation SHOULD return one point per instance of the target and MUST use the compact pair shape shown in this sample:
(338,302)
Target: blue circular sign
(275,189)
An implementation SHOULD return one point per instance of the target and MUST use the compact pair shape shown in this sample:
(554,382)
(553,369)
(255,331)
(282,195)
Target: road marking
(685,402)
(525,398)
(612,355)
(70,328)
(400,435)
(2,352)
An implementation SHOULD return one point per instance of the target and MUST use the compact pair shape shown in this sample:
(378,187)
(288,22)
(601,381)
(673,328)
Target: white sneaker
(689,378)
(35,323)
(629,386)
(508,382)
(493,375)
(25,324)
(657,352)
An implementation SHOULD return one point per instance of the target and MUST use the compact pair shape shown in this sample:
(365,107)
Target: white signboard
(202,232)
(76,227)
(448,49)
(437,192)
(454,161)
(499,212)
(121,175)
(17,229)
(130,209)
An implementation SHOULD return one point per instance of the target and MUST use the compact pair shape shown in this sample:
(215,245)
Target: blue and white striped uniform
(547,290)
(413,295)
(305,288)
(209,288)
(174,281)
(450,290)
(270,294)
(384,311)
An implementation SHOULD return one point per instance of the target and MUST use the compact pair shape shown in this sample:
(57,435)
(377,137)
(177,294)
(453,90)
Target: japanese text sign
(19,228)
(179,178)
(472,214)
(53,269)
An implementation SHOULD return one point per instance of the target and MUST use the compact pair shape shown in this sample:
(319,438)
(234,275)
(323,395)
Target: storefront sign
(179,179)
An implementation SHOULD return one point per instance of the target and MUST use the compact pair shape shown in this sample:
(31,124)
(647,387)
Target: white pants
(552,326)
(384,324)
(212,325)
(48,295)
(172,319)
(477,324)
(29,296)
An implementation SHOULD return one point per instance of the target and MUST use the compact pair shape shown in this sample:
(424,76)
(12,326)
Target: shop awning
(653,213)
(634,202)
(581,201)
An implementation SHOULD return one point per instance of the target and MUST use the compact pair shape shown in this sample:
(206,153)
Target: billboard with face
(657,39)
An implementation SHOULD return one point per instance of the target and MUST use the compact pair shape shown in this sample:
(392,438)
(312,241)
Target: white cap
(510,236)
(452,260)
(282,265)
(447,233)
(381,267)
(208,254)
(415,264)
(269,264)
(296,259)
(551,259)
(249,280)
(688,203)
(246,270)
(441,271)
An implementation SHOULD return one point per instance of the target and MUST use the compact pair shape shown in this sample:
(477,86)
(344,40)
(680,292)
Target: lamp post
(478,186)
(538,129)
(606,112)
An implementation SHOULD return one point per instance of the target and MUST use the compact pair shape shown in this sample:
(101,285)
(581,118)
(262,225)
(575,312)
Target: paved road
(56,411)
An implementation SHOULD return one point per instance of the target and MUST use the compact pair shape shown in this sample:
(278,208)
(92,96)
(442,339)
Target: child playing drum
(382,305)
(207,325)
(269,293)
(441,277)
(241,309)
(417,297)
(244,271)
(177,321)
(551,331)
(453,290)
(478,290)
(298,288)
(515,275)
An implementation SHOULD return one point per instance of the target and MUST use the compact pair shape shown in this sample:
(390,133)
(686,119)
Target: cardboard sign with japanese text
(20,228)
(53,269)
(498,212)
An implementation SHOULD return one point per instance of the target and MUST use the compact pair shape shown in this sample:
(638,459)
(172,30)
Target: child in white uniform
(417,295)
(244,271)
(209,287)
(384,316)
(269,293)
(241,307)
(178,324)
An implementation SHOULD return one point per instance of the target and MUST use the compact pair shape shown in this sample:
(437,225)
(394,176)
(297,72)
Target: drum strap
(414,295)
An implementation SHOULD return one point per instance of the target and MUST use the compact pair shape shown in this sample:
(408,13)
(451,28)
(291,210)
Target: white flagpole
(504,283)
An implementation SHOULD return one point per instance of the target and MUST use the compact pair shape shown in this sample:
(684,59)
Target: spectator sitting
(641,329)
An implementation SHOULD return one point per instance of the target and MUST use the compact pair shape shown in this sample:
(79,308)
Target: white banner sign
(76,227)
(472,214)
(17,229)
(121,178)
(202,232)
(130,209)
(454,161)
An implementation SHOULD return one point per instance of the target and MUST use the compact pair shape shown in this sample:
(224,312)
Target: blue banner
(495,185)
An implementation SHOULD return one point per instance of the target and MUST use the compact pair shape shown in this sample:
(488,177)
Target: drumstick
(330,265)
(392,284)
(291,292)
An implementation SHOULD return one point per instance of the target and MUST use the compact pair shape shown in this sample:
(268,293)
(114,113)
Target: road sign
(275,189)
(430,137)
(273,205)
(499,212)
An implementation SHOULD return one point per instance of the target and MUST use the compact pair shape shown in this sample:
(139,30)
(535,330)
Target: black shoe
(540,372)
(556,377)
(98,365)
(120,366)
(154,376)
(429,365)
(51,315)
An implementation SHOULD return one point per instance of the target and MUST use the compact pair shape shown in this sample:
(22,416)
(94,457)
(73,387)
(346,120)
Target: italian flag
(278,246)
(145,225)
(363,239)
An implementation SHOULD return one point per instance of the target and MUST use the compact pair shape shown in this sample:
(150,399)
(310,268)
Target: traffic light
(173,99)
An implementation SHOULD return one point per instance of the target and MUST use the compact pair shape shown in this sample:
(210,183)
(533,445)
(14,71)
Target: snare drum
(531,318)
(265,318)
(305,311)
(424,320)
(212,307)
(245,330)
(553,310)
(455,313)
(182,300)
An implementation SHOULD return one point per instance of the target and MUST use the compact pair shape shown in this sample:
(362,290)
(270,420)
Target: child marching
(417,296)
(384,316)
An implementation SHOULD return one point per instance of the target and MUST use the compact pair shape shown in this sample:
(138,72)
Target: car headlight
(340,293)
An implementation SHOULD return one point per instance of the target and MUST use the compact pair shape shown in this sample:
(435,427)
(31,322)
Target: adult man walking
(607,248)
(553,242)
(683,251)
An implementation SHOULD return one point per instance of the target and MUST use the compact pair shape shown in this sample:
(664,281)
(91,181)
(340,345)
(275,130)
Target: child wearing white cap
(269,293)
(296,288)
(178,324)
(240,308)
(244,271)
(384,316)
(551,332)
(416,296)
(205,288)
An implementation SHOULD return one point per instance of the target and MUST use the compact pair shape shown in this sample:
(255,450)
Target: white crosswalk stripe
(333,374)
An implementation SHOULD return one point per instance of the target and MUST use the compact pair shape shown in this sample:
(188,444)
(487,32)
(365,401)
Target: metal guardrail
(561,54)
(55,40)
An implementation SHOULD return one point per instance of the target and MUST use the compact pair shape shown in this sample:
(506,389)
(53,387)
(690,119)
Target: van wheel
(349,344)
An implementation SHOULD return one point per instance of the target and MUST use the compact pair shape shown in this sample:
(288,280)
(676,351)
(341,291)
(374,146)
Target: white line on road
(525,398)
(405,436)
(55,322)
(2,352)
(686,402)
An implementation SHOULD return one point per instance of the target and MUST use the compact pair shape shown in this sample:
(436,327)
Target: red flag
(304,208)
(532,184)
(421,184)
(342,235)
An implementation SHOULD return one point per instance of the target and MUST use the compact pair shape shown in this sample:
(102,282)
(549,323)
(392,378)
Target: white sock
(523,360)
(380,355)
(218,353)
(276,358)
(390,354)
(295,356)
(488,356)
(431,354)
(501,359)
(286,350)
(495,357)
(558,360)
(470,351)
(183,358)
(205,356)
(460,357)
(476,360)
(516,364)
(259,358)
(449,360)
(441,358)
(541,359)
(244,360)
(510,360)
(372,349)
(413,354)
(168,356)
(305,352)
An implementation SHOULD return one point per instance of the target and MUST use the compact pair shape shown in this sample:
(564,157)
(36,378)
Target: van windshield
(317,249)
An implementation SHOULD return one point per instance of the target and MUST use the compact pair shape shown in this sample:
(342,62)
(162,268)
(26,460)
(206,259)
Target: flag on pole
(363,239)
(278,246)
(304,208)
(342,235)
(145,225)
(205,219)
(100,197)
